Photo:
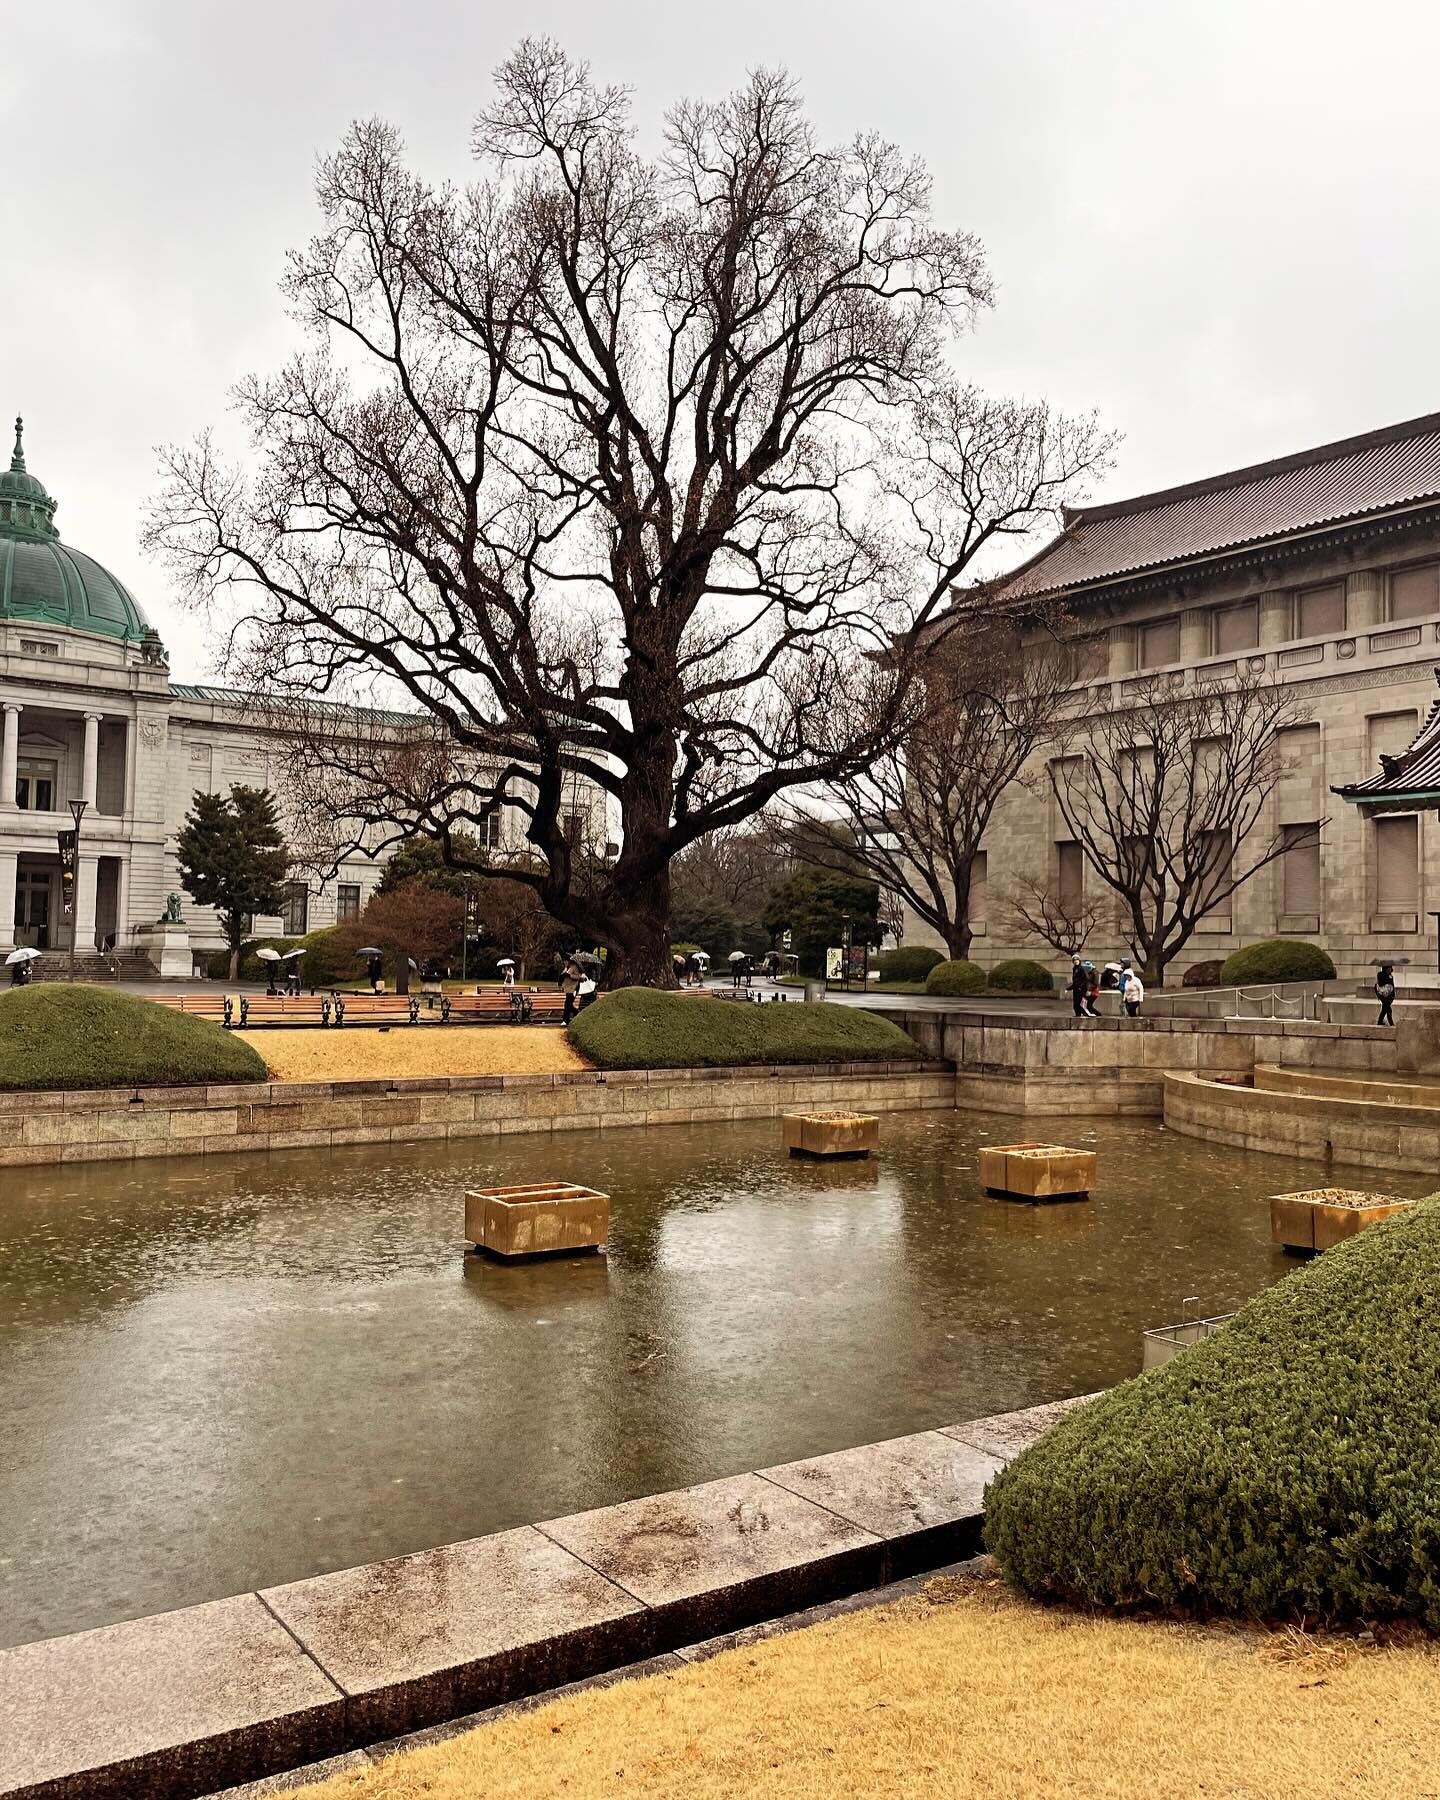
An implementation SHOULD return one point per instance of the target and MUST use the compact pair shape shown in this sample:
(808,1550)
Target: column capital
(15,706)
(97,716)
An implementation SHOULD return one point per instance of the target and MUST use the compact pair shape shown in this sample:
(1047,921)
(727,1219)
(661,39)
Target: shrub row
(642,1028)
(59,1036)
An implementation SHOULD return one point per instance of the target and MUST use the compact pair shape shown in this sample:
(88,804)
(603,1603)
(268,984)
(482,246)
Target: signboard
(835,964)
(855,965)
(66,840)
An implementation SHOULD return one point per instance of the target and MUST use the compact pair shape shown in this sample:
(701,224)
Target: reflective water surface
(217,1376)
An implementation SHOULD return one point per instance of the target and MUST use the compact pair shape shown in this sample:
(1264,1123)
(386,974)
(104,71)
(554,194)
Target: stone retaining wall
(1368,1133)
(1038,1063)
(108,1125)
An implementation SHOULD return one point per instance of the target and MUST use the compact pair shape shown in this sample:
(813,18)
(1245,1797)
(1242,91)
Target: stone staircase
(54,965)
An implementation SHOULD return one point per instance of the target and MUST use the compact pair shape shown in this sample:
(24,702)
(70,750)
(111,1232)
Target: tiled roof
(1405,781)
(236,697)
(1394,467)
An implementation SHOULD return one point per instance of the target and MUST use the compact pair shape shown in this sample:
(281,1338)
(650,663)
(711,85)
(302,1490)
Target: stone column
(87,869)
(1122,650)
(8,862)
(130,736)
(122,905)
(1274,619)
(1364,599)
(9,764)
(1194,634)
(92,760)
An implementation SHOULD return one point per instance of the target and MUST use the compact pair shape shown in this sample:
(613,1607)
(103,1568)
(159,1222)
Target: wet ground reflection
(212,1378)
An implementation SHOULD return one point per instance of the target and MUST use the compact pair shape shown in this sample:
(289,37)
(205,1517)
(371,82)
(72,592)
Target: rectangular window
(1397,864)
(1070,877)
(1237,628)
(1320,609)
(1387,734)
(574,829)
(1159,643)
(488,831)
(1218,853)
(1300,869)
(347,901)
(35,783)
(1415,593)
(979,884)
(295,910)
(1089,658)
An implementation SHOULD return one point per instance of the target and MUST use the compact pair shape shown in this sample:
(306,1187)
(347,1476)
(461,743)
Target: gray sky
(1215,222)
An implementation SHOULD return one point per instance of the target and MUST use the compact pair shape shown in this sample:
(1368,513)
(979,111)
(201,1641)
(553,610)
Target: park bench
(288,1009)
(220,1007)
(403,1009)
(503,1006)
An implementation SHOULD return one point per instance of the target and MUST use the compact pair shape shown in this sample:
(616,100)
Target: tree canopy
(232,856)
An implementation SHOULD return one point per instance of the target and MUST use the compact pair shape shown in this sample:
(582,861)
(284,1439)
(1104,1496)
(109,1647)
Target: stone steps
(55,965)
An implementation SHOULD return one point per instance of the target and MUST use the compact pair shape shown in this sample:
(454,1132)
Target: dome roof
(41,579)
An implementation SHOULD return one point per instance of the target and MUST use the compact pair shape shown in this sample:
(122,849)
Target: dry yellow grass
(967,1690)
(363,1052)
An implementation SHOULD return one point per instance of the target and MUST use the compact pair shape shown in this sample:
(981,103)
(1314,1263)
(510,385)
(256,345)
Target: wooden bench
(203,1006)
(404,1009)
(288,1009)
(503,1006)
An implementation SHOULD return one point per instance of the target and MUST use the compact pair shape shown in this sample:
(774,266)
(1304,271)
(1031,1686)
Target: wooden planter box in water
(544,1218)
(1037,1171)
(831,1133)
(1322,1217)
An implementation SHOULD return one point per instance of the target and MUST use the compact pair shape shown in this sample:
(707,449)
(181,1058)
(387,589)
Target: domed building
(91,715)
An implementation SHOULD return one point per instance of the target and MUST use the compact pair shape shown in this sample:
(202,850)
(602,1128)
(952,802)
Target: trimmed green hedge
(54,1036)
(907,965)
(1277,959)
(951,978)
(1287,1466)
(1021,976)
(644,1028)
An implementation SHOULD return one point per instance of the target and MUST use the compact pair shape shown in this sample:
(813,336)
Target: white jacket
(1134,991)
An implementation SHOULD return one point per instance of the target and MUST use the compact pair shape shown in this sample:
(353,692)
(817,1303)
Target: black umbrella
(1388,962)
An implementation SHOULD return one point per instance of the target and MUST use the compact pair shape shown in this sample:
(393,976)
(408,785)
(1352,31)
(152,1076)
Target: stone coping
(1370,1134)
(182,1703)
(29,1100)
(1156,1026)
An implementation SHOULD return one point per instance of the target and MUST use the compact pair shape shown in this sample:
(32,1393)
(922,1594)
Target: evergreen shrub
(1203,974)
(1277,959)
(1287,1466)
(63,1035)
(1021,976)
(951,978)
(907,965)
(645,1028)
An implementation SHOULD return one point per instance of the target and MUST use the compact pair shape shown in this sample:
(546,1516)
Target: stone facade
(1347,618)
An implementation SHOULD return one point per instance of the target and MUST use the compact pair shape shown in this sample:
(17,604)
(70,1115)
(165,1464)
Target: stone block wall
(107,1126)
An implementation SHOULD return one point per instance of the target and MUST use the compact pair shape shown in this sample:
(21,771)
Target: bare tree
(915,816)
(584,469)
(1167,798)
(1063,921)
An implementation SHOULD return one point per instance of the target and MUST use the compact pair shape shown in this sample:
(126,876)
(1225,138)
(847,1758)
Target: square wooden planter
(543,1218)
(1037,1171)
(831,1133)
(1322,1217)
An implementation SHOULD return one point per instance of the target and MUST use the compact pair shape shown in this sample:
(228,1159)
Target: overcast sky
(1214,222)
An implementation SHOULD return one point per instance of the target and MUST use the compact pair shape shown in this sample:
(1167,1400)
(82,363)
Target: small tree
(232,856)
(423,859)
(814,906)
(914,817)
(412,920)
(1166,798)
(1059,920)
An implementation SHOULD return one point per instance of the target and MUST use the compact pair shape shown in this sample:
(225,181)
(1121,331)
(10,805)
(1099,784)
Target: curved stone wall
(1368,1133)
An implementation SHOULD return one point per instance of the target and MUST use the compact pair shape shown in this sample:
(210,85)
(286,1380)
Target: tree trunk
(957,942)
(637,949)
(234,962)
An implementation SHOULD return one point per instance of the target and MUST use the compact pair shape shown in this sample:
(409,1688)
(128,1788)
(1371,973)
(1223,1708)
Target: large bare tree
(592,466)
(1168,798)
(914,817)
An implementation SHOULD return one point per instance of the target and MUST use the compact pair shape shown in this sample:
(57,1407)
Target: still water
(222,1375)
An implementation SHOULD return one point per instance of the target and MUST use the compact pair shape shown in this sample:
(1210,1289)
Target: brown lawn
(964,1691)
(365,1052)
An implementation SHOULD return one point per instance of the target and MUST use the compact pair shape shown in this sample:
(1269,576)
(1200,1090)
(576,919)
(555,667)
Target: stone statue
(172,909)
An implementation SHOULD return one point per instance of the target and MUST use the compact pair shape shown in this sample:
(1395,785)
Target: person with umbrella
(739,967)
(375,967)
(19,964)
(292,960)
(270,956)
(506,966)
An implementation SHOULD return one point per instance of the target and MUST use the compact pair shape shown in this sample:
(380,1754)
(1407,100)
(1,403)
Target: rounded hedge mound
(1203,974)
(1287,1466)
(644,1028)
(1021,976)
(54,1036)
(907,965)
(1277,959)
(951,978)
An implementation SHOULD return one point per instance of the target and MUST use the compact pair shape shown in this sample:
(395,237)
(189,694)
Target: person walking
(1092,991)
(1385,993)
(570,978)
(1133,994)
(1079,987)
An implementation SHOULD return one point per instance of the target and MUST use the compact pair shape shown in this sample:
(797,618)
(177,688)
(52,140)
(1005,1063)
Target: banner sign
(66,841)
(834,964)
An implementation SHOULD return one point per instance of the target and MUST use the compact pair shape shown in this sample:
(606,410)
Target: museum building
(1320,570)
(90,713)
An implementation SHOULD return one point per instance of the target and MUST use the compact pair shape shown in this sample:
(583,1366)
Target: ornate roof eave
(1113,590)
(1409,782)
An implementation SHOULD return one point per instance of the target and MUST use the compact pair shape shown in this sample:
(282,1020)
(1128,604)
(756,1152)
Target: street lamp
(77,812)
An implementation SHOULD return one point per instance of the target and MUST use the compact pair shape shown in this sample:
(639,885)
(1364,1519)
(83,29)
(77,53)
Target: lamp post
(77,812)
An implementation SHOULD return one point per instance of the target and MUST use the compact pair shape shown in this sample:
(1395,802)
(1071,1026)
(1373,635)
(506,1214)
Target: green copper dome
(41,579)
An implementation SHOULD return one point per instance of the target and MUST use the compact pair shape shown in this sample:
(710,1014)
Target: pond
(220,1375)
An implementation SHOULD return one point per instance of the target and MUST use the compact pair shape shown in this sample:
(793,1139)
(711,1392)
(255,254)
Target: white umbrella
(23,954)
(369,950)
(266,954)
(737,956)
(290,955)
(504,962)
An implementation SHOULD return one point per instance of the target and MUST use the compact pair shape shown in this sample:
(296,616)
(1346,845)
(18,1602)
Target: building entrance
(35,909)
